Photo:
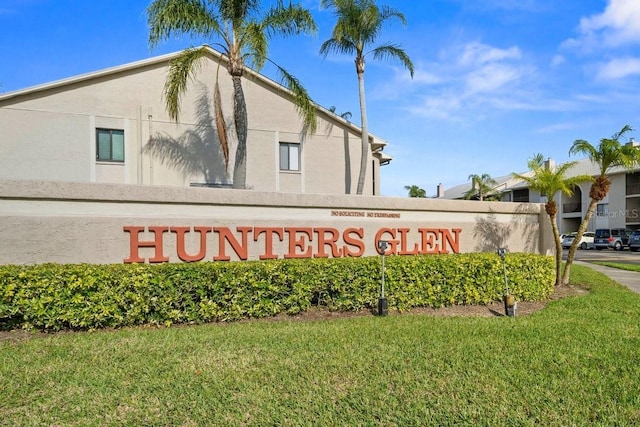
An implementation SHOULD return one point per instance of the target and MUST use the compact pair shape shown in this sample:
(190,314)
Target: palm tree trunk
(364,158)
(240,121)
(556,238)
(576,241)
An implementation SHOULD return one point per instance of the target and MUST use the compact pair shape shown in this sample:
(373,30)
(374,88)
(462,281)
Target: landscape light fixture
(509,300)
(383,306)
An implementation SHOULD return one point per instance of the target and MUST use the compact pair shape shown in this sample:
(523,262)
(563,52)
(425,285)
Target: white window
(289,156)
(602,209)
(109,145)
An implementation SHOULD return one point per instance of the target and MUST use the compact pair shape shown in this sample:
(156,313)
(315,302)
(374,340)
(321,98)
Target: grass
(620,265)
(574,363)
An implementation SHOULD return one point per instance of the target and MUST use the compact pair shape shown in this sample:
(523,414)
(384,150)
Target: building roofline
(56,84)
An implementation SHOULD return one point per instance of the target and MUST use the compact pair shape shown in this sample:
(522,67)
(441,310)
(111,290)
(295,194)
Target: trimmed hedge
(86,296)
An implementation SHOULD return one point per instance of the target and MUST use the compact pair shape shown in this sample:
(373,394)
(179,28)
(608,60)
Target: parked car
(634,241)
(616,238)
(586,242)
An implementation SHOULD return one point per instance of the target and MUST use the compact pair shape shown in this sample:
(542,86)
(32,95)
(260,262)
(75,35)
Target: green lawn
(620,265)
(577,362)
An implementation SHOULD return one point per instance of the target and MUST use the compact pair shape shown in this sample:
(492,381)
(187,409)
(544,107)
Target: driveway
(591,255)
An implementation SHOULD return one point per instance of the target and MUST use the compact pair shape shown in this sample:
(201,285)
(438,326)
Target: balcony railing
(571,207)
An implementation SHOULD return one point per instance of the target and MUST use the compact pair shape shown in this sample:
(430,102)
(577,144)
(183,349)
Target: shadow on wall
(529,232)
(347,153)
(347,164)
(196,153)
(492,234)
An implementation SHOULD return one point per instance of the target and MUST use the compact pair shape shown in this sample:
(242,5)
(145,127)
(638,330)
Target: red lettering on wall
(403,243)
(135,244)
(428,244)
(353,242)
(332,241)
(180,243)
(296,243)
(268,240)
(241,249)
(299,242)
(439,240)
(452,241)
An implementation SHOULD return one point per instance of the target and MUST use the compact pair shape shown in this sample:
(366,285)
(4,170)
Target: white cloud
(419,76)
(556,128)
(557,60)
(442,107)
(471,78)
(619,68)
(619,24)
(492,77)
(478,53)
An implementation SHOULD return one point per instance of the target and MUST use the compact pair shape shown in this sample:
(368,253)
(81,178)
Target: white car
(585,243)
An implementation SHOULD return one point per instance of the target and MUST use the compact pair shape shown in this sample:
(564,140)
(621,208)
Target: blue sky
(496,81)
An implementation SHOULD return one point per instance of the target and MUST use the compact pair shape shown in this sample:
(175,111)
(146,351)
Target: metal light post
(383,306)
(509,300)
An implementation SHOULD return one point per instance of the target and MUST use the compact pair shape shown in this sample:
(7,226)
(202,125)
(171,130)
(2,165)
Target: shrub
(86,296)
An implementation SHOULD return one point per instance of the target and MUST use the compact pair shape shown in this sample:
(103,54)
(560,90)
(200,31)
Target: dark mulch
(523,308)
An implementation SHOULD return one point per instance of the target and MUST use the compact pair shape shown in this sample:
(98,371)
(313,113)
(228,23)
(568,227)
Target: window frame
(110,132)
(602,210)
(288,146)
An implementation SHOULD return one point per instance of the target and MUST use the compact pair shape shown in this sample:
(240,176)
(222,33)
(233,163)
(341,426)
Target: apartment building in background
(620,209)
(97,127)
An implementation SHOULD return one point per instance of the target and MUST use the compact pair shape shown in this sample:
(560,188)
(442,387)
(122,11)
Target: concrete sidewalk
(630,279)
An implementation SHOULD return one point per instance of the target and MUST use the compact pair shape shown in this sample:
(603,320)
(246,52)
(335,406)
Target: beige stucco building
(619,209)
(80,183)
(96,128)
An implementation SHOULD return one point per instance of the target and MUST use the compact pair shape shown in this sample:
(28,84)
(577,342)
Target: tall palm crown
(415,191)
(242,31)
(610,153)
(551,181)
(358,24)
(481,186)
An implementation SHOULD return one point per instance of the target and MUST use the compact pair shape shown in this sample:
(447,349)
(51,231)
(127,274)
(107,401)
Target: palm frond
(622,132)
(304,105)
(609,153)
(167,18)
(394,51)
(551,181)
(387,12)
(237,11)
(181,69)
(343,46)
(255,40)
(288,20)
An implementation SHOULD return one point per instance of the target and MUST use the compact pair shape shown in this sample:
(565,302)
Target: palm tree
(608,154)
(358,24)
(242,32)
(551,181)
(415,191)
(481,187)
(346,115)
